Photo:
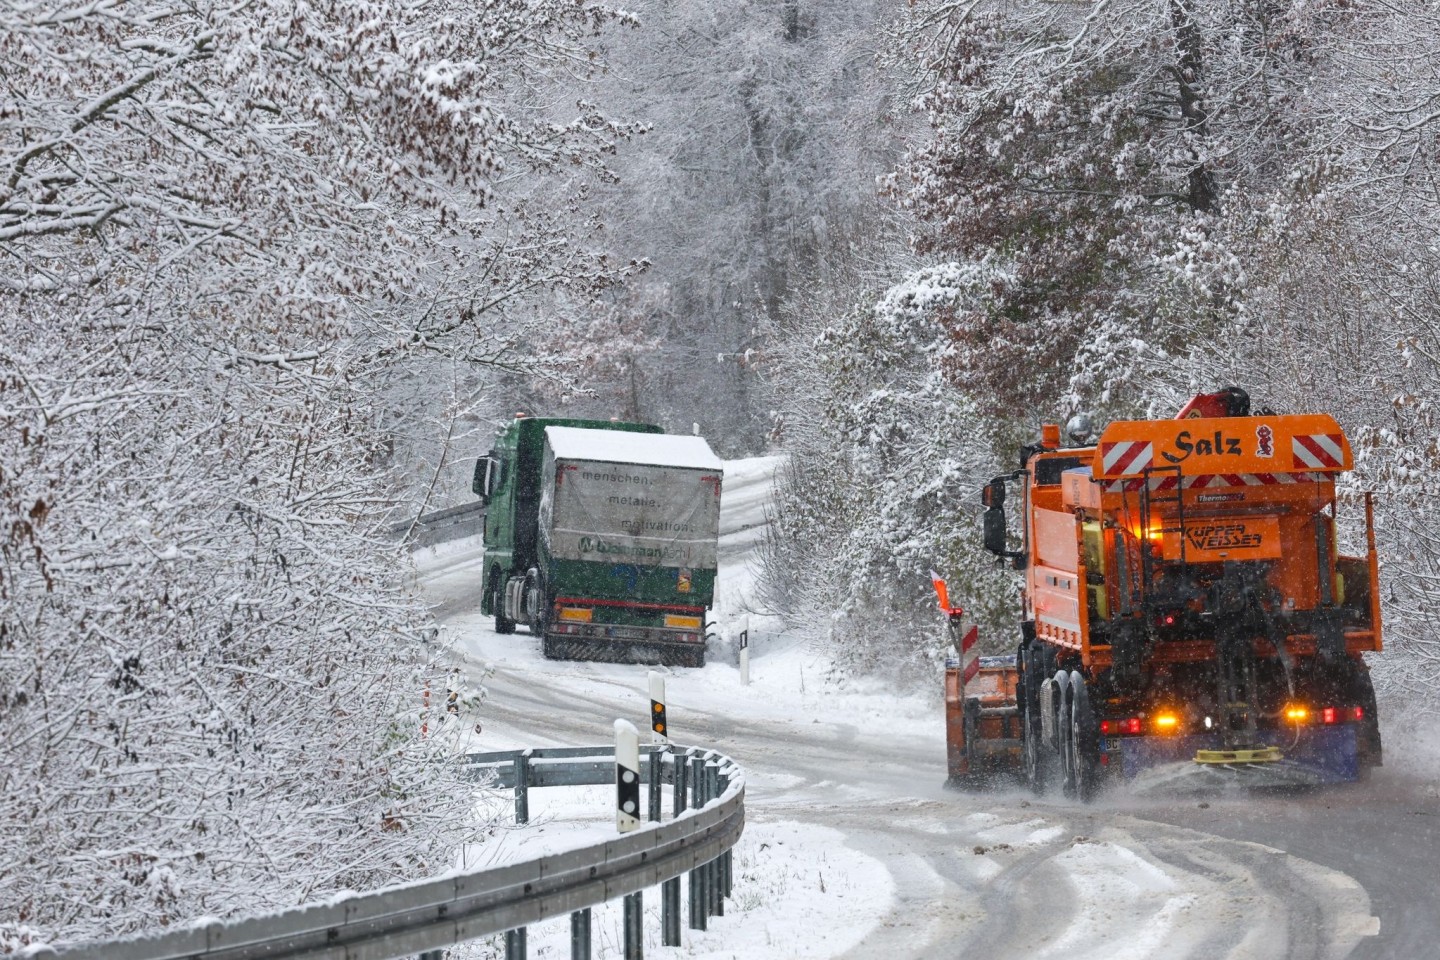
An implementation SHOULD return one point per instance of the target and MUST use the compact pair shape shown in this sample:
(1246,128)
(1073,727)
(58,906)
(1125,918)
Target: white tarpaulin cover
(611,499)
(622,446)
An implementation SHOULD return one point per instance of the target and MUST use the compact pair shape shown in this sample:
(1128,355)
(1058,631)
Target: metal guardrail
(440,526)
(428,915)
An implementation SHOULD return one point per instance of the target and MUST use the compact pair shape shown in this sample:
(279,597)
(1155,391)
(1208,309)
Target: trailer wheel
(497,603)
(1084,741)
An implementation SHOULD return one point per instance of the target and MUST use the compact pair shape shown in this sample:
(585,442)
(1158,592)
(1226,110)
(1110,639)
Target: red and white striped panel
(1212,480)
(969,655)
(1318,451)
(1128,456)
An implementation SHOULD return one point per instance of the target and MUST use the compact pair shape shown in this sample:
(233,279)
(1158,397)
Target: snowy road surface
(853,848)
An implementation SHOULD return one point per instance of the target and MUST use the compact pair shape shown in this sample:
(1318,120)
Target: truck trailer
(1185,605)
(601,537)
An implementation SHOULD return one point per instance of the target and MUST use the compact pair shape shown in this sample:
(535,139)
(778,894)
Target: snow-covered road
(879,860)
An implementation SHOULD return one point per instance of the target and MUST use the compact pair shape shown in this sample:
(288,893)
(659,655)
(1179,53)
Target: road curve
(1256,876)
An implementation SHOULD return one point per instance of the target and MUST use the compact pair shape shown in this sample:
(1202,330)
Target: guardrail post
(522,787)
(681,767)
(670,912)
(700,876)
(699,901)
(634,926)
(657,764)
(515,944)
(715,884)
(580,935)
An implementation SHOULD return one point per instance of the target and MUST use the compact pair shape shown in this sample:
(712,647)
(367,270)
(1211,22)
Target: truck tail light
(1127,725)
(1167,722)
(1330,715)
(1296,713)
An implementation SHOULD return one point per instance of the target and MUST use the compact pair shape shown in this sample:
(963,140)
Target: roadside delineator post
(627,818)
(522,786)
(745,651)
(627,776)
(659,731)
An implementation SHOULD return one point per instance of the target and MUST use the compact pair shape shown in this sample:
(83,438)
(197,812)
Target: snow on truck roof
(640,449)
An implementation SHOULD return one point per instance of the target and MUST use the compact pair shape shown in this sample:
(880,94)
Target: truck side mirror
(993,493)
(995,531)
(487,477)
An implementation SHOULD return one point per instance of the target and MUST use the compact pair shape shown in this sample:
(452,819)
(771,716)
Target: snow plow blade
(1253,755)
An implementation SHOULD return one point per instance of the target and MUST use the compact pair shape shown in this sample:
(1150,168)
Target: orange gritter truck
(1185,609)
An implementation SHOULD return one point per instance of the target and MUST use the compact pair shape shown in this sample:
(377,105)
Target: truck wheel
(535,605)
(1038,767)
(1362,693)
(497,603)
(1084,741)
(1060,748)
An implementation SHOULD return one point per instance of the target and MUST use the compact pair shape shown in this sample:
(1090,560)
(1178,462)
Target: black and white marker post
(745,651)
(627,818)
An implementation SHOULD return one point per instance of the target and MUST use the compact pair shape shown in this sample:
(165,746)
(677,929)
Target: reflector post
(659,729)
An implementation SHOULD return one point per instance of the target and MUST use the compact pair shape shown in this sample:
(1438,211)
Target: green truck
(602,538)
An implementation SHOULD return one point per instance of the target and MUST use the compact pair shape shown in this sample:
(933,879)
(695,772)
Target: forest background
(276,272)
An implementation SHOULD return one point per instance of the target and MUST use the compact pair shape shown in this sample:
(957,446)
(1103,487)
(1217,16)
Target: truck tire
(1362,694)
(536,605)
(1056,747)
(1084,741)
(1039,768)
(497,603)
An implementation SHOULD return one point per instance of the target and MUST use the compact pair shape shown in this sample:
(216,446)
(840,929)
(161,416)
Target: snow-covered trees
(1121,203)
(226,230)
(885,457)
(768,128)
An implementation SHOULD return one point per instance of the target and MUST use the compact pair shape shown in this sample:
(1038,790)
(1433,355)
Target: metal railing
(441,526)
(708,815)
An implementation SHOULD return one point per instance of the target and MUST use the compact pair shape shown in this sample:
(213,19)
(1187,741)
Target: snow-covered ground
(852,847)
